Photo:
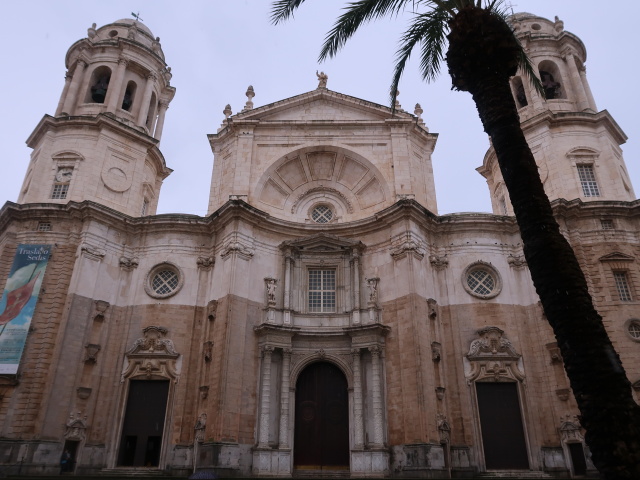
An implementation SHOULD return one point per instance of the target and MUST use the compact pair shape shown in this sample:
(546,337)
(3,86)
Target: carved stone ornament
(100,308)
(205,263)
(407,246)
(372,283)
(128,264)
(207,351)
(270,285)
(563,394)
(152,356)
(201,424)
(92,253)
(92,353)
(444,429)
(570,429)
(432,308)
(76,427)
(204,392)
(325,190)
(83,392)
(439,263)
(492,357)
(554,353)
(436,351)
(236,248)
(517,261)
(440,393)
(212,308)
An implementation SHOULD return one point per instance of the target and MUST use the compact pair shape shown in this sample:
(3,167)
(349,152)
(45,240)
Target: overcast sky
(217,48)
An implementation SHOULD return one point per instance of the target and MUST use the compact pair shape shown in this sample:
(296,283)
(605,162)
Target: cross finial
(137,16)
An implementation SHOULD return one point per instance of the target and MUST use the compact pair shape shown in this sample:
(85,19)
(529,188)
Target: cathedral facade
(322,319)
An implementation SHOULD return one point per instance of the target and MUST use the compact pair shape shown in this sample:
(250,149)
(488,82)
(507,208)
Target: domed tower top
(577,148)
(102,143)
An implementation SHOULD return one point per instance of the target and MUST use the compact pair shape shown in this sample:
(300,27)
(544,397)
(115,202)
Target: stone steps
(517,474)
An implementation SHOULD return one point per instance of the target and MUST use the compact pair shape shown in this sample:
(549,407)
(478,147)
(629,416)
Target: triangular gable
(321,104)
(322,242)
(617,257)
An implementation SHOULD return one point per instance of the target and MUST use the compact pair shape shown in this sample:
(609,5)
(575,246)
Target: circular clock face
(64,174)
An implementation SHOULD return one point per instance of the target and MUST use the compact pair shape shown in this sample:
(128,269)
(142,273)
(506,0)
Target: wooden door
(143,425)
(503,439)
(321,436)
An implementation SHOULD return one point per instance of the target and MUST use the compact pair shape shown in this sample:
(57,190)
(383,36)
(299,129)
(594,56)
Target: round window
(322,214)
(164,280)
(633,329)
(481,280)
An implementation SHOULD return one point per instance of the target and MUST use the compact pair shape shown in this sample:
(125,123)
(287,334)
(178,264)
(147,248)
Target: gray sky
(217,48)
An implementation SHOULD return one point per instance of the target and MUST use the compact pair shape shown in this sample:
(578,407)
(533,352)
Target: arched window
(520,95)
(99,85)
(551,80)
(151,116)
(129,96)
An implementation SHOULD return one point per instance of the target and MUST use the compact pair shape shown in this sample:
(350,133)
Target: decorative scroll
(152,356)
(492,357)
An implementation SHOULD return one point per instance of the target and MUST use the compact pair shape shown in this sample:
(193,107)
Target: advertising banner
(19,301)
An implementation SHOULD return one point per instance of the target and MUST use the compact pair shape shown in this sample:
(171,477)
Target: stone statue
(270,284)
(322,79)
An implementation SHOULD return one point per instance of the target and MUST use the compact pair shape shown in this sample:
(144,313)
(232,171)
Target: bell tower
(102,143)
(577,148)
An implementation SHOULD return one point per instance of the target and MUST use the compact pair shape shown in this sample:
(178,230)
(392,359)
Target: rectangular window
(622,285)
(44,227)
(606,224)
(322,291)
(59,191)
(588,181)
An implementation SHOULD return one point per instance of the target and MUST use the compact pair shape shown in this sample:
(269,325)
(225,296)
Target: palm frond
(430,30)
(283,9)
(524,63)
(356,14)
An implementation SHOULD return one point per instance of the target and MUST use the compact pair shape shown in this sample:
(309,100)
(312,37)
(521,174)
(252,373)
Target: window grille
(322,291)
(481,282)
(44,227)
(622,285)
(588,181)
(606,224)
(322,214)
(634,329)
(59,191)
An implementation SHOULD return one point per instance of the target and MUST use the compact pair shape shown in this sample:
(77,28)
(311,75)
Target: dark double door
(321,437)
(503,438)
(141,439)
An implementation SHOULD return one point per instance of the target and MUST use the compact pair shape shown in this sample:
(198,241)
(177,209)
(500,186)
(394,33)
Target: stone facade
(322,257)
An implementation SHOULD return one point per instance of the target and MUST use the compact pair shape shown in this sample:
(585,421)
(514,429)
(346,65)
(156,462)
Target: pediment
(321,104)
(616,257)
(322,243)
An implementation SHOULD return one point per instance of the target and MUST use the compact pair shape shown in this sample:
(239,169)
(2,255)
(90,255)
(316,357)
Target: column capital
(266,350)
(376,351)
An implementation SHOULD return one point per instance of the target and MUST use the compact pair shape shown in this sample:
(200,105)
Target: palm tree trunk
(599,383)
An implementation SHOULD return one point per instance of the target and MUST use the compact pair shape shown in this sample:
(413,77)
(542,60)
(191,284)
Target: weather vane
(137,16)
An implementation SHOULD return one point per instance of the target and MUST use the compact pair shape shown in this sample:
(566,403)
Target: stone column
(288,266)
(355,259)
(146,98)
(162,110)
(263,440)
(582,103)
(378,428)
(65,89)
(72,93)
(284,399)
(115,86)
(587,88)
(358,431)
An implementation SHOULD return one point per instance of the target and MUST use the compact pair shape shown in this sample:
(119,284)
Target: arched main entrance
(321,435)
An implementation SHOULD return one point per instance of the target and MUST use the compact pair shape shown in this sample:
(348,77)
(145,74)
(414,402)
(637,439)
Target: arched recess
(350,184)
(98,85)
(129,96)
(552,80)
(519,92)
(150,371)
(494,373)
(321,431)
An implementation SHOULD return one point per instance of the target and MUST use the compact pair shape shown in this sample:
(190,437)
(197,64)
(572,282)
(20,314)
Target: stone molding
(152,356)
(492,357)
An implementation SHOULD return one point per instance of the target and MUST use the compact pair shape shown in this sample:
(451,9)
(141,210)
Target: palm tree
(482,56)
